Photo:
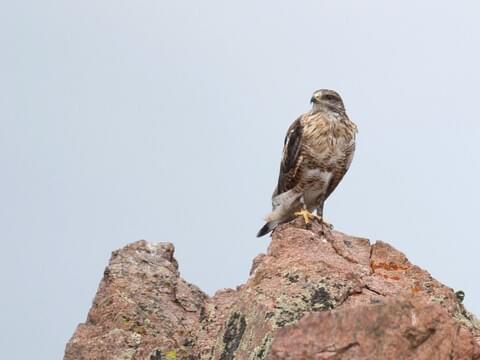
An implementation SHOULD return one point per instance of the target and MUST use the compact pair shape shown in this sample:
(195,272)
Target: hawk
(317,152)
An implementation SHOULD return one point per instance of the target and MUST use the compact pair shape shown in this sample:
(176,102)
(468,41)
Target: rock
(402,328)
(142,310)
(311,296)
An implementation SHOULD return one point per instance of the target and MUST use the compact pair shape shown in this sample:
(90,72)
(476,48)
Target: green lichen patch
(171,355)
(439,299)
(321,300)
(466,318)
(233,335)
(291,277)
(261,351)
(289,309)
(156,355)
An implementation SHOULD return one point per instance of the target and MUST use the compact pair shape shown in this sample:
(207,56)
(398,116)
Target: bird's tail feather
(269,226)
(282,209)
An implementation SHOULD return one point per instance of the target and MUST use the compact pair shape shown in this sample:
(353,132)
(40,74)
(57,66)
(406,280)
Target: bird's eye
(330,97)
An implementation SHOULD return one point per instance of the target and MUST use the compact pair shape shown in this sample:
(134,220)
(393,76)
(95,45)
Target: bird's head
(327,99)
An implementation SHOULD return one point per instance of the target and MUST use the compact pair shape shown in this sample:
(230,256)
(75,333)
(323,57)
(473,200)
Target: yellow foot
(308,216)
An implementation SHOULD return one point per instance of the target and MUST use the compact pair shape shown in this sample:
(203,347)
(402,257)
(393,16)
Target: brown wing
(291,159)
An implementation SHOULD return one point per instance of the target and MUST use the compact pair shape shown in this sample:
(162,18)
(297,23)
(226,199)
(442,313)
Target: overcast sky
(164,120)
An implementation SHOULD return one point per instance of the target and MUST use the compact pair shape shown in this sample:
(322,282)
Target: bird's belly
(333,154)
(337,154)
(324,160)
(317,184)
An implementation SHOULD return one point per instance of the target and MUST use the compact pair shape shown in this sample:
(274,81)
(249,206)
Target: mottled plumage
(317,153)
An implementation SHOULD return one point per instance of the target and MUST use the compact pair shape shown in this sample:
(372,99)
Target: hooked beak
(313,100)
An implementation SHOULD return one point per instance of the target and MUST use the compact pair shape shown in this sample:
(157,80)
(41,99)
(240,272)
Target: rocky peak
(312,296)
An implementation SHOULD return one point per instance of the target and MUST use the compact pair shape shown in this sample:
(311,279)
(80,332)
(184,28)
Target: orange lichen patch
(387,266)
(416,288)
(390,277)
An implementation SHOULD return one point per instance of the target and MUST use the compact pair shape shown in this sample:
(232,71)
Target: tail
(269,226)
(282,207)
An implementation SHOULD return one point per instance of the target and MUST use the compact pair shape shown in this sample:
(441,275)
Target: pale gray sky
(164,120)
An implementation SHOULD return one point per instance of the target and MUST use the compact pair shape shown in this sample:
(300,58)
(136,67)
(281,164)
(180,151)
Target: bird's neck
(327,109)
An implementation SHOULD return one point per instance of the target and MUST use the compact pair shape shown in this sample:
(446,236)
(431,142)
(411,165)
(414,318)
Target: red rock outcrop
(311,296)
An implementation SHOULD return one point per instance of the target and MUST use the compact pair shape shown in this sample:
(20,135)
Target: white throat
(318,107)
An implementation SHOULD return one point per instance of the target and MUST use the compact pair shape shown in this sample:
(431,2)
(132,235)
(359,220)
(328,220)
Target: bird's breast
(327,149)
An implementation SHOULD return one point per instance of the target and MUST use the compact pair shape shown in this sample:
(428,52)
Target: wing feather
(291,158)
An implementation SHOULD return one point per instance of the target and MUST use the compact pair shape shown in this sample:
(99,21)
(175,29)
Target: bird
(317,153)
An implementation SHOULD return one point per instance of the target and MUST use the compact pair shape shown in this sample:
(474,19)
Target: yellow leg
(307,215)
